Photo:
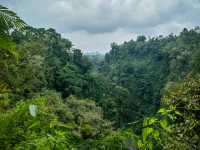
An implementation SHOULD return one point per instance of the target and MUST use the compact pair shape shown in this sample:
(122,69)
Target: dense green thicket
(176,124)
(145,67)
(56,125)
(49,62)
(144,95)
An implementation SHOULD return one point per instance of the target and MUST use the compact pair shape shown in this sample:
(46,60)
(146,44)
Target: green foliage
(56,65)
(144,67)
(7,46)
(183,102)
(20,130)
(57,125)
(117,140)
(113,98)
(96,59)
(9,20)
(176,124)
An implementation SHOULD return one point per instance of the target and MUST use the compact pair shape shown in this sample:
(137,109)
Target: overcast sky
(93,24)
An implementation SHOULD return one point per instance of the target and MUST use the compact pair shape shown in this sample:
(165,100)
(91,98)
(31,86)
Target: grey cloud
(97,16)
(94,24)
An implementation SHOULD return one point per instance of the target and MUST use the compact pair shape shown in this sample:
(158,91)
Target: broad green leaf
(140,143)
(152,121)
(163,111)
(156,134)
(149,121)
(34,125)
(146,132)
(164,125)
(178,113)
(150,145)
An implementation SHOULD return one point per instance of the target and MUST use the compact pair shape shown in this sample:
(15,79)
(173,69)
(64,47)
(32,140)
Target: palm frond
(10,20)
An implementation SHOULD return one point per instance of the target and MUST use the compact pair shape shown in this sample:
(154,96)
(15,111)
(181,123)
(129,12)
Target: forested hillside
(147,66)
(145,93)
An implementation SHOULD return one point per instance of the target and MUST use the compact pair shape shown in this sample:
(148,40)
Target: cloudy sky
(93,24)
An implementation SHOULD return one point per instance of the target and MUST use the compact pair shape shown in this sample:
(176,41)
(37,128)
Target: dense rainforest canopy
(145,93)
